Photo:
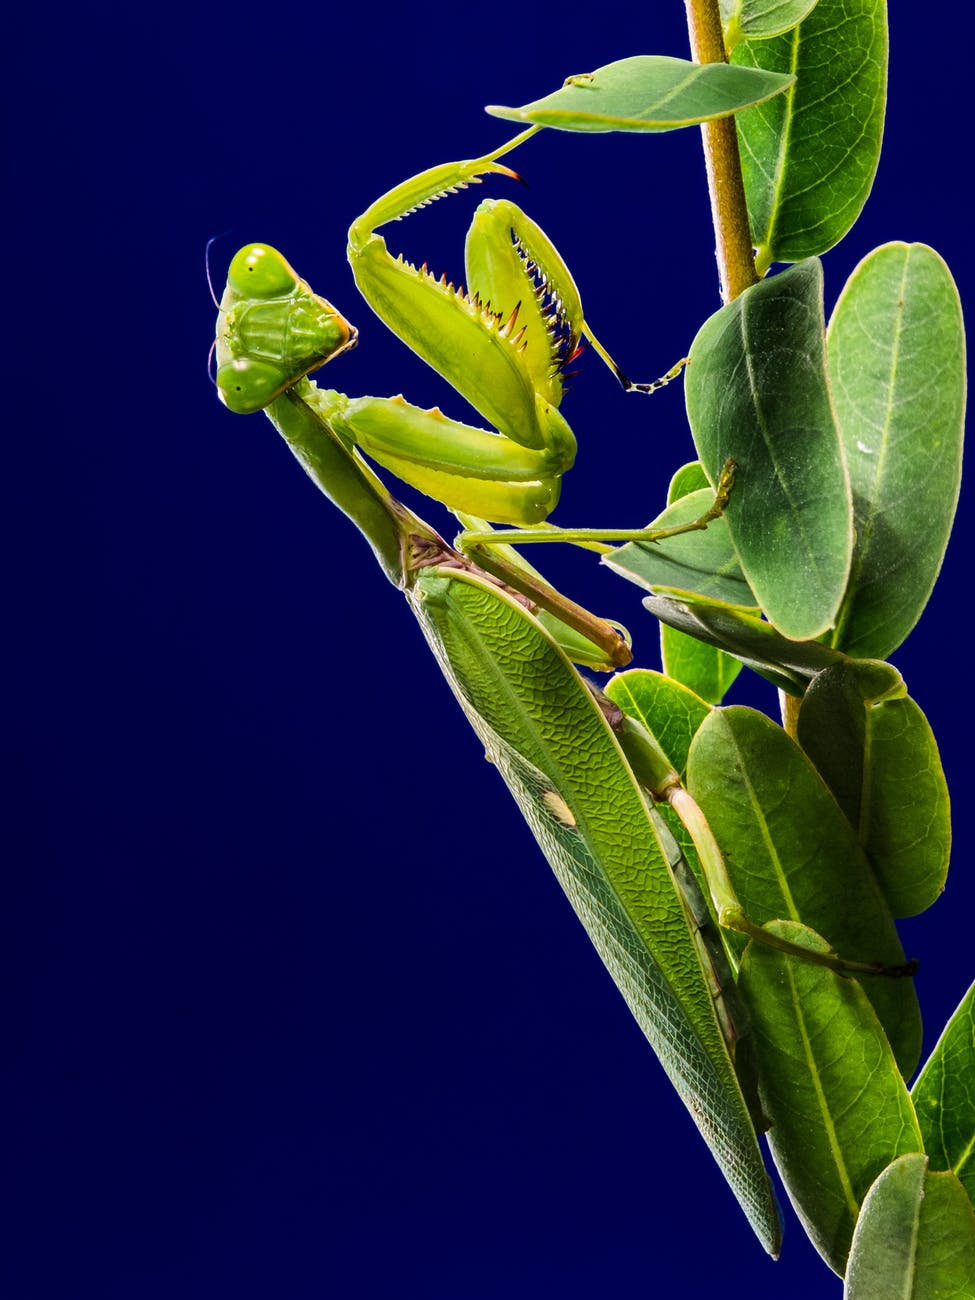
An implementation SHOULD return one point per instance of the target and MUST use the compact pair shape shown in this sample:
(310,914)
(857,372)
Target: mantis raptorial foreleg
(504,344)
(519,289)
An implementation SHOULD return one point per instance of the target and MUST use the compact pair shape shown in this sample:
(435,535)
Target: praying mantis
(504,638)
(614,870)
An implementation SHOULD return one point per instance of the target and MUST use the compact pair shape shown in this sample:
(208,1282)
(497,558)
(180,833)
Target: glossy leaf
(792,855)
(809,157)
(788,665)
(838,1107)
(668,710)
(703,668)
(701,563)
(543,730)
(685,480)
(915,1239)
(874,749)
(896,349)
(649,92)
(759,19)
(944,1096)
(757,393)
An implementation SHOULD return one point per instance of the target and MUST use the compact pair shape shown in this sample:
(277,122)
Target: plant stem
(790,713)
(729,212)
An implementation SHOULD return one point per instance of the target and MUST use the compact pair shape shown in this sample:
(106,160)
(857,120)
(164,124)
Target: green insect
(503,344)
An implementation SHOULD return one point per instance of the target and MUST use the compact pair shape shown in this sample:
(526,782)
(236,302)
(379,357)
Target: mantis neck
(300,416)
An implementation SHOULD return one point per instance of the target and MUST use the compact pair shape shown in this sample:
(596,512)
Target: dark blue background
(293,1005)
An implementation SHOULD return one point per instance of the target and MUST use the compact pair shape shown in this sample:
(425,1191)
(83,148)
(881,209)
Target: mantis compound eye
(259,271)
(246,384)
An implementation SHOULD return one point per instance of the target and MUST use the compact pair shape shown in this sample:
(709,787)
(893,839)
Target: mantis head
(271,330)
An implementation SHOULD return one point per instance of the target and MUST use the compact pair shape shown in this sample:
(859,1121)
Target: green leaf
(702,668)
(788,665)
(689,478)
(792,855)
(700,563)
(944,1096)
(546,735)
(874,749)
(809,157)
(648,92)
(838,1107)
(757,393)
(915,1239)
(896,348)
(707,671)
(759,19)
(669,711)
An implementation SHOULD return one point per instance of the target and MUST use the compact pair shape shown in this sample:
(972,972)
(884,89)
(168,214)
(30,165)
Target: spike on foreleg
(509,324)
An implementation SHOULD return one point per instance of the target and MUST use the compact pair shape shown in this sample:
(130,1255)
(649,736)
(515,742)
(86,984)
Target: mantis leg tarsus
(654,384)
(626,383)
(734,919)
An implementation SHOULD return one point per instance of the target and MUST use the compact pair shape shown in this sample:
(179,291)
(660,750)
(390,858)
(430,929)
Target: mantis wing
(547,736)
